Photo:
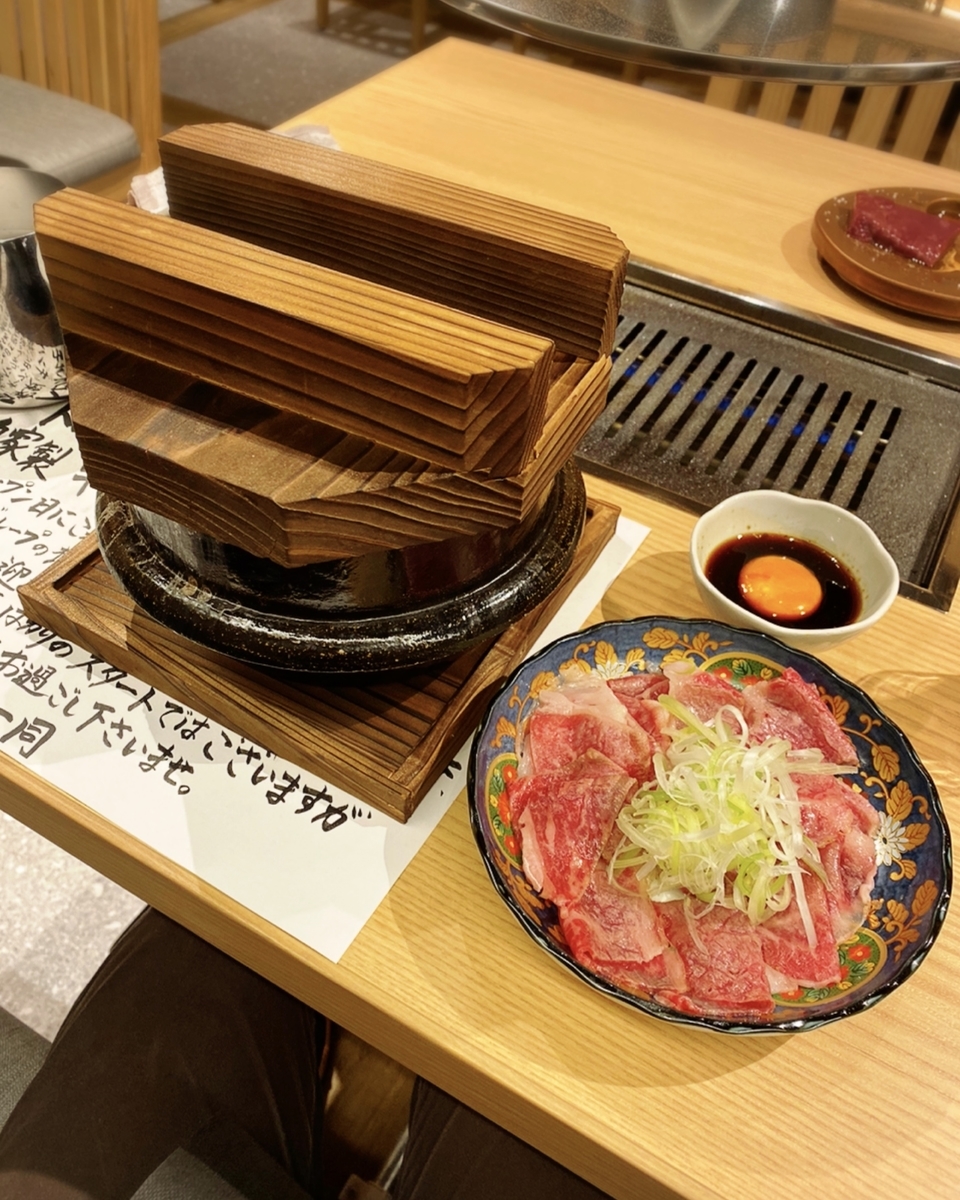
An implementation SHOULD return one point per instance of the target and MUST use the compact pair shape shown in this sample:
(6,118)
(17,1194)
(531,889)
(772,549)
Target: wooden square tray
(386,741)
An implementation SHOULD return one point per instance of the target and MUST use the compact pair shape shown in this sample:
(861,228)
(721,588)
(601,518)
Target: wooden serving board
(385,740)
(883,274)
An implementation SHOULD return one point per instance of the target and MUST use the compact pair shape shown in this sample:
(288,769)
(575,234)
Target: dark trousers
(174,1044)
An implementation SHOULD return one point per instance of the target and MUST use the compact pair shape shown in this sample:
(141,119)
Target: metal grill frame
(871,409)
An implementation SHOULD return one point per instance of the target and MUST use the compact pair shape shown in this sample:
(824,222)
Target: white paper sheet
(305,855)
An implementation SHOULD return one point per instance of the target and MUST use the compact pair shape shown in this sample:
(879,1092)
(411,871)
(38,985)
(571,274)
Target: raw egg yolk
(778,587)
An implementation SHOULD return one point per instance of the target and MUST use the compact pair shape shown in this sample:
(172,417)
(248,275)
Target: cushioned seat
(60,136)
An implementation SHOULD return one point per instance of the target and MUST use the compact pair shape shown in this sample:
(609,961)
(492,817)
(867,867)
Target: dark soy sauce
(841,603)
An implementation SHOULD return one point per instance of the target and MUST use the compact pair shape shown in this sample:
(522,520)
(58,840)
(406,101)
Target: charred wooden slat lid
(455,389)
(288,489)
(554,274)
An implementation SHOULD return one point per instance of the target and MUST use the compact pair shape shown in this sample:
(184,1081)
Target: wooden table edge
(292,965)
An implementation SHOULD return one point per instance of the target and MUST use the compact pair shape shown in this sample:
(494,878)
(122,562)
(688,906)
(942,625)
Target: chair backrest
(904,120)
(907,120)
(105,52)
(919,121)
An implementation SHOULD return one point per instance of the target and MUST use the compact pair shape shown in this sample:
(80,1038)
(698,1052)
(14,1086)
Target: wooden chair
(903,119)
(418,21)
(907,120)
(103,52)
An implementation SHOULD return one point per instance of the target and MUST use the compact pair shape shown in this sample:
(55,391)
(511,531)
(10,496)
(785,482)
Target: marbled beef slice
(786,947)
(792,709)
(909,232)
(723,960)
(566,822)
(617,933)
(843,824)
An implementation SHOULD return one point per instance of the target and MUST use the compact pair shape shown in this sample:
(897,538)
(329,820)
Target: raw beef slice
(617,933)
(565,821)
(909,232)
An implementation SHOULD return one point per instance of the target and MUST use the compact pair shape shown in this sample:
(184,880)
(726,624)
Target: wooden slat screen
(143,82)
(31,42)
(921,118)
(115,59)
(94,18)
(55,47)
(75,32)
(905,120)
(11,62)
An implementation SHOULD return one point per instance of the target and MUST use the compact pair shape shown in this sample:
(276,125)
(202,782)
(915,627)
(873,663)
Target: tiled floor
(58,918)
(271,63)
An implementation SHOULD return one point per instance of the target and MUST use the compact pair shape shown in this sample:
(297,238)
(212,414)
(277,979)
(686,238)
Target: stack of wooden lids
(317,356)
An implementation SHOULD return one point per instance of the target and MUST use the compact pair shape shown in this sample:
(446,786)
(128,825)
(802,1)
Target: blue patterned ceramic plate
(913,880)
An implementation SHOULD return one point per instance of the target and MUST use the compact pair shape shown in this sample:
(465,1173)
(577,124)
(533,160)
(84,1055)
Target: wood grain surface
(695,189)
(384,740)
(289,489)
(519,264)
(433,381)
(442,978)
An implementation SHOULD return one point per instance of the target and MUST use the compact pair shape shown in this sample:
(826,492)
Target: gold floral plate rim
(914,876)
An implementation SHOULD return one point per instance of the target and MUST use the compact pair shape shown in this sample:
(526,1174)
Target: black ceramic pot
(381,612)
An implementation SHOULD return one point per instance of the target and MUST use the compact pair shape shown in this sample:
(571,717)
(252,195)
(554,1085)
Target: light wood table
(443,978)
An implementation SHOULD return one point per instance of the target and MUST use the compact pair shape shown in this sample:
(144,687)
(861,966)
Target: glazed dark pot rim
(373,585)
(419,636)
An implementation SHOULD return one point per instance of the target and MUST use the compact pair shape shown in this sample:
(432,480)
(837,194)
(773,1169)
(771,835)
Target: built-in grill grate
(713,394)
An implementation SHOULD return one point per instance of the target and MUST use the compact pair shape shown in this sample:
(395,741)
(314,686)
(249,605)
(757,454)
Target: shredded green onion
(720,824)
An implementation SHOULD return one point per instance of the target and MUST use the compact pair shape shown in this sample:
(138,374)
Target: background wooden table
(701,191)
(442,978)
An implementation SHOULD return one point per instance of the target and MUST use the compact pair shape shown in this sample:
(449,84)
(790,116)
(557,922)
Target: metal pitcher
(32,360)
